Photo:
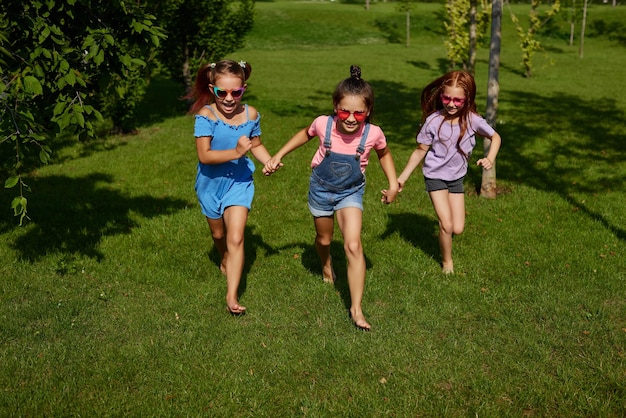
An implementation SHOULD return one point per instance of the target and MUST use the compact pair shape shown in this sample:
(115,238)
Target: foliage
(458,32)
(66,63)
(200,31)
(527,37)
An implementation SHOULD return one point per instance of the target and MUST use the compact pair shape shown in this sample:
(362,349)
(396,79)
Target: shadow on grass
(584,159)
(311,261)
(252,243)
(418,230)
(73,214)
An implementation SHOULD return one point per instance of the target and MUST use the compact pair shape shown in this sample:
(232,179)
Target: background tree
(488,187)
(582,30)
(466,26)
(200,31)
(406,6)
(527,37)
(65,64)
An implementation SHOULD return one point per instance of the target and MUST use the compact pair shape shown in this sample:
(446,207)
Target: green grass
(112,304)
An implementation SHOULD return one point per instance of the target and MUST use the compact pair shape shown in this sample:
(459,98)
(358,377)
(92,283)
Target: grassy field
(112,303)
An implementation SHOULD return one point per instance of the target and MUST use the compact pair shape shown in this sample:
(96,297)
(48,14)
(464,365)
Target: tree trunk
(471,58)
(186,71)
(408,27)
(582,31)
(571,24)
(452,33)
(488,184)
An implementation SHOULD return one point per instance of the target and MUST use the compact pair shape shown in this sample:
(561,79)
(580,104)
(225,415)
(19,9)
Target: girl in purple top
(445,142)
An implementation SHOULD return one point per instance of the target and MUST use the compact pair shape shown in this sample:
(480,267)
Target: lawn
(112,302)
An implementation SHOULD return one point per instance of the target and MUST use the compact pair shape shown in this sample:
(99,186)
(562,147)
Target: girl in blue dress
(225,130)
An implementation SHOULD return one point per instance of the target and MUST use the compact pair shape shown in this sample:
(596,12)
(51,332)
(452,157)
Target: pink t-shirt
(345,144)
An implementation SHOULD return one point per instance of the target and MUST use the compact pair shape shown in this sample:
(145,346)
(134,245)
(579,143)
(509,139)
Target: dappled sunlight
(565,151)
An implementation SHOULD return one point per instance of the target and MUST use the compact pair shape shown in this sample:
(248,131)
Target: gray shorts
(454,186)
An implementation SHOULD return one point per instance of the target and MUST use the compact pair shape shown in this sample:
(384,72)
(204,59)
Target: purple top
(443,161)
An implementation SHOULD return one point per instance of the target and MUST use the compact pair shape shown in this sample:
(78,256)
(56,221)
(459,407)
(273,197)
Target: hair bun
(355,72)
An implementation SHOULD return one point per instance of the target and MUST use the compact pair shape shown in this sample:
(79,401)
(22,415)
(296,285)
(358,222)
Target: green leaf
(32,85)
(99,58)
(70,78)
(44,34)
(11,182)
(138,62)
(58,108)
(44,157)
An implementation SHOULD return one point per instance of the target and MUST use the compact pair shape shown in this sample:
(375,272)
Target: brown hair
(208,74)
(355,86)
(431,99)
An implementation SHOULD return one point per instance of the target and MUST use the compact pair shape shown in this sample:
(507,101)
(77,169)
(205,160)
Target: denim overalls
(338,181)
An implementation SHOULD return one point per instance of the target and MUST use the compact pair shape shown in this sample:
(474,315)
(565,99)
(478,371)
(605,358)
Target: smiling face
(355,110)
(453,99)
(228,95)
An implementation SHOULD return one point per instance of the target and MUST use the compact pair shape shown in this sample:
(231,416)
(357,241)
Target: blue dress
(219,186)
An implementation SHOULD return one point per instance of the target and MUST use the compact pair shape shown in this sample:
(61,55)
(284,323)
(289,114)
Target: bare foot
(359,321)
(223,269)
(236,309)
(328,273)
(447,268)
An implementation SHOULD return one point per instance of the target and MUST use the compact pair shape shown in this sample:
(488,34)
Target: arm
(274,163)
(488,161)
(259,151)
(386,162)
(416,157)
(208,156)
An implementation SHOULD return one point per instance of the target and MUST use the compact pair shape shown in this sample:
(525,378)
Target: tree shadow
(311,261)
(581,160)
(73,215)
(253,242)
(418,230)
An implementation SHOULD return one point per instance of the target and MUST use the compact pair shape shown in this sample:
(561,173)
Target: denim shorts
(454,186)
(323,202)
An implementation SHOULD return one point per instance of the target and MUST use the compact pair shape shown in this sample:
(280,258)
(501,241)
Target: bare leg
(218,233)
(235,218)
(450,209)
(350,221)
(324,227)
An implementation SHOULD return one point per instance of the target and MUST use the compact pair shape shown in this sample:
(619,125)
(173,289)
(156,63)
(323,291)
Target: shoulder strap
(329,129)
(361,148)
(212,111)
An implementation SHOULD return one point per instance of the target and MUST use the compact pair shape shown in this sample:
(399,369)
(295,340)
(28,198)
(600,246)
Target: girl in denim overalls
(337,182)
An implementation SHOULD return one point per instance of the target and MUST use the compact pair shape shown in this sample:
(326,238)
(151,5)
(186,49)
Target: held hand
(272,165)
(389,195)
(485,162)
(244,144)
(401,185)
